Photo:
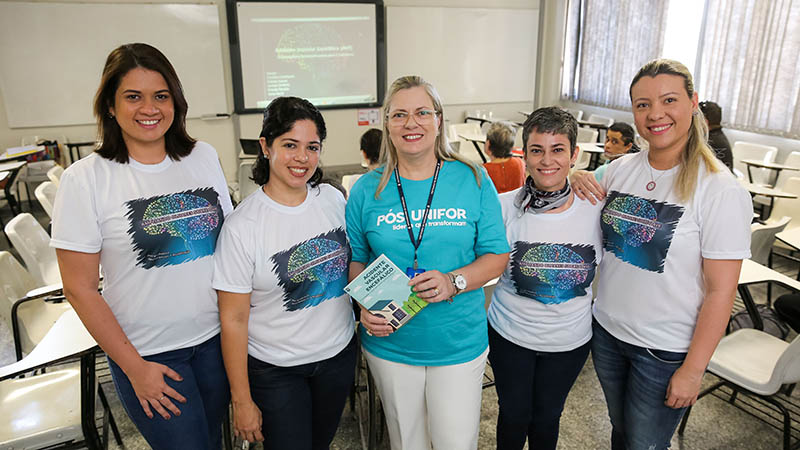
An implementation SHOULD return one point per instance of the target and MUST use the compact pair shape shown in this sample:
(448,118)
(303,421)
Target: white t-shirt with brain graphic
(156,228)
(650,282)
(543,299)
(293,261)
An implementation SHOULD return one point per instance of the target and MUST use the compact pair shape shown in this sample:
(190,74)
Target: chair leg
(227,435)
(684,420)
(787,422)
(111,421)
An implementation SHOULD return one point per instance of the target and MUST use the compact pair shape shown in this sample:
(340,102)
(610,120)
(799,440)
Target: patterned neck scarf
(537,202)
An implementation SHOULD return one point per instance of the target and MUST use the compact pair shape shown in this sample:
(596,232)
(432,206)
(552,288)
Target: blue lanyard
(418,241)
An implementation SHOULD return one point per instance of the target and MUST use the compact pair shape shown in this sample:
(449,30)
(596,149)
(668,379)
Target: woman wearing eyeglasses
(429,371)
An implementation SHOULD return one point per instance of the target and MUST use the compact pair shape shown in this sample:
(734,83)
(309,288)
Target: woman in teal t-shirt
(429,371)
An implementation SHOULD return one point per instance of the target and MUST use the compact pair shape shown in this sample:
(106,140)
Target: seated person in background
(371,148)
(370,154)
(507,173)
(619,141)
(716,138)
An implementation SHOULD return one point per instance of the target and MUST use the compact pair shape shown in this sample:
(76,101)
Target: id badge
(412,272)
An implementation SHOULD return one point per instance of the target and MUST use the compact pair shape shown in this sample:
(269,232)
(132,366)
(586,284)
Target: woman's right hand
(375,325)
(247,421)
(152,391)
(586,187)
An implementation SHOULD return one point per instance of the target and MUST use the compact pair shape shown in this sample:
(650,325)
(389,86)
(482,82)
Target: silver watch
(459,282)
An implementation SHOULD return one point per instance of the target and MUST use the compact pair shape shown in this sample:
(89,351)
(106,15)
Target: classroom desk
(13,168)
(484,120)
(595,150)
(67,339)
(766,165)
(790,238)
(754,273)
(76,146)
(21,155)
(475,139)
(772,193)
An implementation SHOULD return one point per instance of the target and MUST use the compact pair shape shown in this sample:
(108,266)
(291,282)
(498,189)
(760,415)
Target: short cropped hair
(625,130)
(551,120)
(501,139)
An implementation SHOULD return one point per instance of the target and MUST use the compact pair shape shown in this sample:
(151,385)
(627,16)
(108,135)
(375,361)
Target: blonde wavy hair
(441,147)
(697,149)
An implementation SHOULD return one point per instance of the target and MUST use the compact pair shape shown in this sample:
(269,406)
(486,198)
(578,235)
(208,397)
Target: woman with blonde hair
(429,371)
(676,227)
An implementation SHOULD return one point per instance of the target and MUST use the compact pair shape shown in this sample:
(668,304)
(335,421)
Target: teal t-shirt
(600,171)
(464,223)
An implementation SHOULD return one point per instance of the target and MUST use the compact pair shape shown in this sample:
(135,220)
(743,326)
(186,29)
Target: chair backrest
(15,282)
(54,174)
(576,113)
(597,118)
(748,150)
(587,135)
(46,194)
(246,185)
(348,181)
(583,160)
(787,206)
(792,160)
(762,238)
(33,244)
(787,369)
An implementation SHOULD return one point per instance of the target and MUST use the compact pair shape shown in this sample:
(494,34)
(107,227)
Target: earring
(110,116)
(572,165)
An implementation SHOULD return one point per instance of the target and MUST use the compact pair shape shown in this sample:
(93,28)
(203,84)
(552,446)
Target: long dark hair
(120,61)
(279,117)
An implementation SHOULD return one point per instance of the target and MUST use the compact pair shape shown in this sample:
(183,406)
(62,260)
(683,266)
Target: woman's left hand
(683,388)
(433,286)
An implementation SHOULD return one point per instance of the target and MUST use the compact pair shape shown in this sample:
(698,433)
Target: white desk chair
(46,194)
(33,244)
(465,148)
(348,181)
(783,177)
(787,206)
(30,320)
(54,174)
(584,159)
(762,238)
(748,150)
(576,113)
(246,186)
(587,135)
(758,364)
(603,120)
(58,407)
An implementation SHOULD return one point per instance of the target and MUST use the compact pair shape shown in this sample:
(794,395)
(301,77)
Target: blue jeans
(532,387)
(634,381)
(301,405)
(205,387)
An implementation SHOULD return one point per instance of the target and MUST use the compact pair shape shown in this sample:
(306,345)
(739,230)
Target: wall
(341,147)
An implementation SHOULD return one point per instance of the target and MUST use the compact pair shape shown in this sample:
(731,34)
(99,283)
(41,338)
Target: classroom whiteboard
(52,55)
(471,55)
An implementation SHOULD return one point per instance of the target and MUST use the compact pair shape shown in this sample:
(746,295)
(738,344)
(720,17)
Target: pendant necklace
(652,183)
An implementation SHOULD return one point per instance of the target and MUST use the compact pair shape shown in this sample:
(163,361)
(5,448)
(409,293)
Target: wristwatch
(459,282)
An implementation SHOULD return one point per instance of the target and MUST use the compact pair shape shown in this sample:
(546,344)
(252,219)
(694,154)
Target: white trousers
(426,406)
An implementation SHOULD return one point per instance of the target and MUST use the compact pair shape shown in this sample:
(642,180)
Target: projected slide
(320,51)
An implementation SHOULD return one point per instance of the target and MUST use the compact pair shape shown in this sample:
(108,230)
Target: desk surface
(753,272)
(769,165)
(21,152)
(766,191)
(790,237)
(473,137)
(67,338)
(11,166)
(591,147)
(598,126)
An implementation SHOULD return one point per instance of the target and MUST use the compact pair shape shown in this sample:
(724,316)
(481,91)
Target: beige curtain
(750,64)
(607,42)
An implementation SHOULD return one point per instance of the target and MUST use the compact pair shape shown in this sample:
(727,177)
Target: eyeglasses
(421,117)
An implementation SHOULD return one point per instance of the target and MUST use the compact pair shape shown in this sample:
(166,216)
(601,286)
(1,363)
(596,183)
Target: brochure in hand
(383,289)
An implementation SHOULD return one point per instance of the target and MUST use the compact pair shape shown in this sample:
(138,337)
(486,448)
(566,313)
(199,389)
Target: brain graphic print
(319,259)
(186,216)
(633,218)
(555,265)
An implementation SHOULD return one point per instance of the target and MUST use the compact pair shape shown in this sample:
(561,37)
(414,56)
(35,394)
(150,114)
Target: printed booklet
(383,289)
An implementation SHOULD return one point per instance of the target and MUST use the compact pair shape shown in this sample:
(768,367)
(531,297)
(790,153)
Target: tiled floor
(714,424)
